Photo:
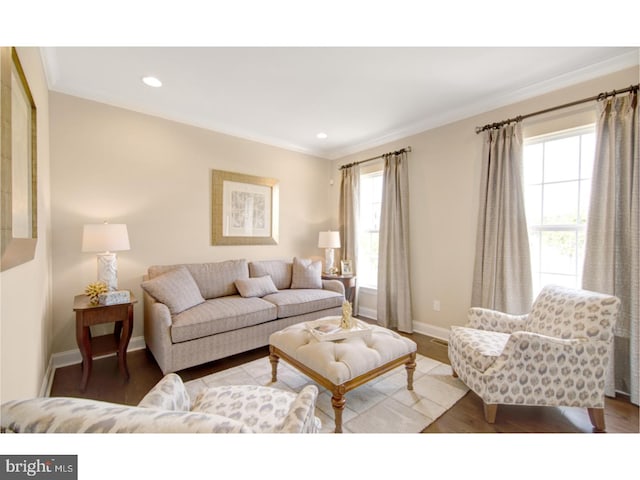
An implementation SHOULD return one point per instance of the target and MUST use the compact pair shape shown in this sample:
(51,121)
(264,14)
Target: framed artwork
(346,266)
(18,161)
(244,209)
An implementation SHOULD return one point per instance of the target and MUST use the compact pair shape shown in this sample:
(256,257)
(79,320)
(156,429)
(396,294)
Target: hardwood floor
(466,416)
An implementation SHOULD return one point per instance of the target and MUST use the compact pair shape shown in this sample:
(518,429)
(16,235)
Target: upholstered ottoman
(342,365)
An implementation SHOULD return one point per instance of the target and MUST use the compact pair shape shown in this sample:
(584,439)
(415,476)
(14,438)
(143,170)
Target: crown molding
(608,66)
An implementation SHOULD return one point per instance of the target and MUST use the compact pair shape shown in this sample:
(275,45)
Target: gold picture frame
(244,209)
(346,267)
(18,163)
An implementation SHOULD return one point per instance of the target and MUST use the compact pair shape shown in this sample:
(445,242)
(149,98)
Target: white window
(369,228)
(557,176)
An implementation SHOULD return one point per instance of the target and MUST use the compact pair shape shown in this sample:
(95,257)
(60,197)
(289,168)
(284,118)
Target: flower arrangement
(347,321)
(94,290)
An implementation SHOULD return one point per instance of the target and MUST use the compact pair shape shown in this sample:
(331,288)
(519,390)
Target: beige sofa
(200,312)
(168,408)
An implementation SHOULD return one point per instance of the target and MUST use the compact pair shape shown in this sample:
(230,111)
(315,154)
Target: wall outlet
(436,305)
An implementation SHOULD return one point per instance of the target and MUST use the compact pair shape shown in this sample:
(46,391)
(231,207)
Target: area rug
(383,405)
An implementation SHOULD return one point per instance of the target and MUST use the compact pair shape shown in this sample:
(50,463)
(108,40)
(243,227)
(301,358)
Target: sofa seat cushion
(294,302)
(220,315)
(480,348)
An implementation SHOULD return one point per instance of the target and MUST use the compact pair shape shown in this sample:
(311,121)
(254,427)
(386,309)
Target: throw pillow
(176,289)
(306,273)
(255,287)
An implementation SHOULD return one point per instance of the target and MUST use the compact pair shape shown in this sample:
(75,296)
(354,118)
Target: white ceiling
(361,97)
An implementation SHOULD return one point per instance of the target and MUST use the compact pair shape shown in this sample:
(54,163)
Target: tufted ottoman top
(342,360)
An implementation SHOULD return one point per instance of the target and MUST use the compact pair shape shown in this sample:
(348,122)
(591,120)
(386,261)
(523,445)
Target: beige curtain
(502,271)
(612,251)
(349,213)
(394,292)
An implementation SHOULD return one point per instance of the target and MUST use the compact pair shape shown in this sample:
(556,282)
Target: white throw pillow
(306,273)
(176,289)
(255,287)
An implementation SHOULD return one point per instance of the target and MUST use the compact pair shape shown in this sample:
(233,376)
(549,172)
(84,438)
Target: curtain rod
(599,97)
(397,152)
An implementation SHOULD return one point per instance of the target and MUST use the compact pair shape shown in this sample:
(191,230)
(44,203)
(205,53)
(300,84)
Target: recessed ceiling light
(152,81)
(322,135)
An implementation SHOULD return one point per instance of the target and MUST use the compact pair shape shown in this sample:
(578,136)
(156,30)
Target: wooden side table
(349,282)
(86,316)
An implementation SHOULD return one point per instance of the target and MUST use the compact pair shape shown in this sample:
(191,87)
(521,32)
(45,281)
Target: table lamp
(106,238)
(329,240)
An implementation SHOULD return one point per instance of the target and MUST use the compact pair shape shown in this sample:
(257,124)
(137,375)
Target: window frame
(577,228)
(374,170)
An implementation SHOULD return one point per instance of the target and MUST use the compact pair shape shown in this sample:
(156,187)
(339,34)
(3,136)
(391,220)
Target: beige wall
(154,175)
(444,180)
(25,290)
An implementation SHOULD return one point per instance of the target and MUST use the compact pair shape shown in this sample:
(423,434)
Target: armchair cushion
(263,409)
(479,348)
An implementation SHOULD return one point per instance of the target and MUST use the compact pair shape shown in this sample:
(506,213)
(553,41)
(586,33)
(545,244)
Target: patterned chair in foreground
(557,355)
(167,408)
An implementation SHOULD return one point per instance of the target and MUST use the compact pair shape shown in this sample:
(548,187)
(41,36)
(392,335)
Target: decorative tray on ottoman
(328,329)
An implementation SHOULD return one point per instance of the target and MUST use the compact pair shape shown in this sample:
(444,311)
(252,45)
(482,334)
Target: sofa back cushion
(213,279)
(175,288)
(306,273)
(256,287)
(280,272)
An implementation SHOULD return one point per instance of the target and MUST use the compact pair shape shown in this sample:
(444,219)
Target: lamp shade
(329,240)
(105,237)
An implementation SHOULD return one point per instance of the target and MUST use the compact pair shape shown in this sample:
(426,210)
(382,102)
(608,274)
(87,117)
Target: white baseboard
(369,313)
(73,357)
(431,330)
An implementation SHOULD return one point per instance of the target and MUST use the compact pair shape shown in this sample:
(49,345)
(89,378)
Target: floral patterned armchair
(168,408)
(556,355)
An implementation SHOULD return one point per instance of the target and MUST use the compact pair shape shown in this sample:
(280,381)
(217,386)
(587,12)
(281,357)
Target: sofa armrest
(81,415)
(302,413)
(492,320)
(157,332)
(333,285)
(168,394)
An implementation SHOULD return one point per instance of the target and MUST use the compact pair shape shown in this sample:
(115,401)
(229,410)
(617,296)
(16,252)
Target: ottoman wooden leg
(338,401)
(273,358)
(411,367)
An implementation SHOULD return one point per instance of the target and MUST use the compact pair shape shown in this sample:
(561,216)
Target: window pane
(585,197)
(558,252)
(370,203)
(532,163)
(562,159)
(587,154)
(560,206)
(533,204)
(562,280)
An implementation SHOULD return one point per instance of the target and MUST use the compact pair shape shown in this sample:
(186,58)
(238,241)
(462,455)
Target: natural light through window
(369,228)
(557,176)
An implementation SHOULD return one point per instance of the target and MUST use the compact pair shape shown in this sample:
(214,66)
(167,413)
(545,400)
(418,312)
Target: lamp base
(108,270)
(329,269)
